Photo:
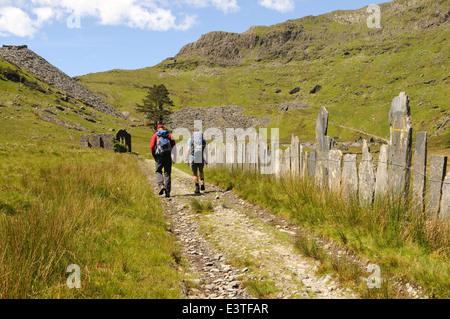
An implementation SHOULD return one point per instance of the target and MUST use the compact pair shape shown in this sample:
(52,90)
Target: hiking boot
(202,187)
(197,190)
(162,190)
(167,194)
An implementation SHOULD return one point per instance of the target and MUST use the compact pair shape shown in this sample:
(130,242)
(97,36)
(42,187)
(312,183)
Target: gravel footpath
(238,243)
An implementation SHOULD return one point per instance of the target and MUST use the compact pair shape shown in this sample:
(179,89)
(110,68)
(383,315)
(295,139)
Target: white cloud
(44,14)
(14,21)
(197,3)
(278,5)
(226,6)
(24,18)
(158,20)
(188,22)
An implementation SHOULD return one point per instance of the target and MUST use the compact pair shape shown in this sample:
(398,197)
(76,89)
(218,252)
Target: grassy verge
(65,205)
(184,168)
(391,234)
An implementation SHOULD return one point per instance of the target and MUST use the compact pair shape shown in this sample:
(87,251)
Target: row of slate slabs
(390,175)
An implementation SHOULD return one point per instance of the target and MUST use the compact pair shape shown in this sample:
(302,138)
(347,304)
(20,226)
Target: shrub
(119,147)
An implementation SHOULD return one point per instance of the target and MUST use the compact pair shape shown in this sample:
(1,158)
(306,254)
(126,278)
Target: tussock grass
(262,289)
(200,207)
(90,208)
(393,234)
(349,272)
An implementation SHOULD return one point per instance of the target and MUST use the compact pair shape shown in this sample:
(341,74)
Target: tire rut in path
(259,244)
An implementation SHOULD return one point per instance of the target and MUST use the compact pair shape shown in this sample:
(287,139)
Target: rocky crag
(298,39)
(35,64)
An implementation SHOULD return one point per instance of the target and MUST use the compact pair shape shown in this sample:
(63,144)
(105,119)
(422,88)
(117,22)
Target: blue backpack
(163,146)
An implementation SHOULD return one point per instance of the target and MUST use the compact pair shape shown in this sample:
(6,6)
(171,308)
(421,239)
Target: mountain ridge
(286,39)
(332,60)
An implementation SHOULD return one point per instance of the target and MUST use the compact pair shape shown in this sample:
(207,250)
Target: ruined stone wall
(98,141)
(125,138)
(106,140)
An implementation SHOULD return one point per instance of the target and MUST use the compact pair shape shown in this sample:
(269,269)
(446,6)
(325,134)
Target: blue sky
(87,36)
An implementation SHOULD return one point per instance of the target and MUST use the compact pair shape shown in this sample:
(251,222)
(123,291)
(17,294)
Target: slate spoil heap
(33,63)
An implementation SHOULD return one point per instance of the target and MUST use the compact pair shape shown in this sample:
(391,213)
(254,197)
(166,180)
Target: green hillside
(32,110)
(63,204)
(359,71)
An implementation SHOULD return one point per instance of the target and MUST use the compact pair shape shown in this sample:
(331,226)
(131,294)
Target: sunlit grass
(62,206)
(404,243)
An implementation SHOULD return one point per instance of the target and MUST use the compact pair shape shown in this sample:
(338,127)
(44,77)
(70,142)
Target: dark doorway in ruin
(125,138)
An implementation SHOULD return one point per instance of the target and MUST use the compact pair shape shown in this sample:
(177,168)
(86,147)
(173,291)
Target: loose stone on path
(241,233)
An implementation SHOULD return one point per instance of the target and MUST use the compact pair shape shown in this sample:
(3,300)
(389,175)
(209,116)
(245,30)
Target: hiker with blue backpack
(162,146)
(197,158)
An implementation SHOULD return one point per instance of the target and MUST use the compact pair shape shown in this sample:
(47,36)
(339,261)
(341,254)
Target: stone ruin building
(106,141)
(125,138)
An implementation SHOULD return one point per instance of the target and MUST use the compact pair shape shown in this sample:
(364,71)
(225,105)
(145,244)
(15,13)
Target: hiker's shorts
(197,167)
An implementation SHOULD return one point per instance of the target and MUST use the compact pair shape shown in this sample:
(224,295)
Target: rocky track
(238,246)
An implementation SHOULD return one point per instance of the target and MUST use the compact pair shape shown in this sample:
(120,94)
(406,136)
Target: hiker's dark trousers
(163,163)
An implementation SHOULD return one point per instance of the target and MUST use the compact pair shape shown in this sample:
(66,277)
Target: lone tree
(156,106)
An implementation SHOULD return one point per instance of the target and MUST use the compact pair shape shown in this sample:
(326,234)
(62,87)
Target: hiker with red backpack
(163,146)
(196,157)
